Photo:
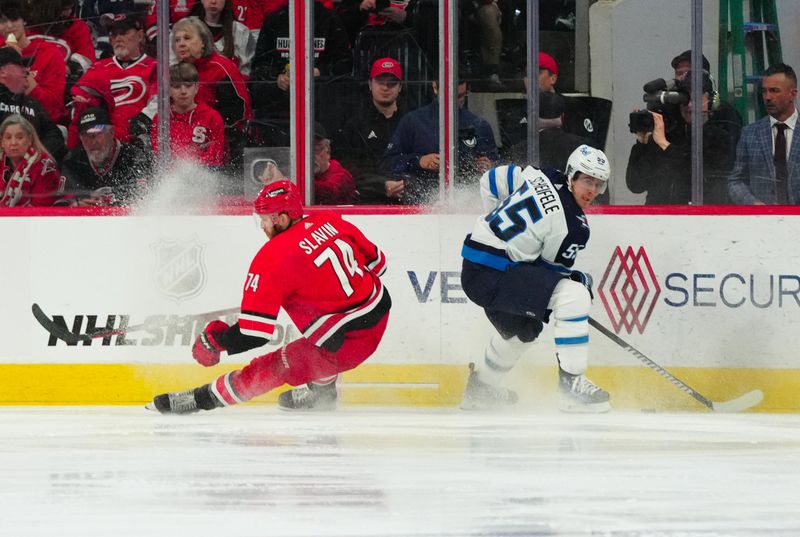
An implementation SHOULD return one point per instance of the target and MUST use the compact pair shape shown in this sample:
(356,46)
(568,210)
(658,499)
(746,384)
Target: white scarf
(19,180)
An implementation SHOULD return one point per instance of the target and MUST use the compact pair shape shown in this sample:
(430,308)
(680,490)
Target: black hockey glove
(583,279)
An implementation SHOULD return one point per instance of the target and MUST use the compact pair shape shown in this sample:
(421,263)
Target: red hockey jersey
(322,271)
(74,43)
(132,87)
(178,9)
(197,135)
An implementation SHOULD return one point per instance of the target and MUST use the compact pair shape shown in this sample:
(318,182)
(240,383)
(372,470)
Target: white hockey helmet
(590,161)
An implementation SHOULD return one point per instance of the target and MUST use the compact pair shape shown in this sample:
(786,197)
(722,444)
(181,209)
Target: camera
(662,96)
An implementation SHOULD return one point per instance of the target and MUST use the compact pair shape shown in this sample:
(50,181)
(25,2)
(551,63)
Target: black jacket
(332,57)
(360,145)
(666,175)
(127,176)
(32,110)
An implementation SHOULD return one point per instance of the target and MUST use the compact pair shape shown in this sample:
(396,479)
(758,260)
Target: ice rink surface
(256,471)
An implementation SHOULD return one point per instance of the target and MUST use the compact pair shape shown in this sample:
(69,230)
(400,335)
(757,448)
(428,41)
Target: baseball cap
(686,56)
(384,66)
(546,61)
(93,120)
(123,21)
(11,55)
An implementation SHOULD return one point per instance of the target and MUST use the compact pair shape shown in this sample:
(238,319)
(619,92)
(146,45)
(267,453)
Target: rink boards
(712,297)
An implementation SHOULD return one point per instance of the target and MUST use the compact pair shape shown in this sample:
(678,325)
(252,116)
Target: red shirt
(322,271)
(178,9)
(335,187)
(50,72)
(43,189)
(74,43)
(132,87)
(197,135)
(219,76)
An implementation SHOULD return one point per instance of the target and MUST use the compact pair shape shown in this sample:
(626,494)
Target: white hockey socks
(501,355)
(570,303)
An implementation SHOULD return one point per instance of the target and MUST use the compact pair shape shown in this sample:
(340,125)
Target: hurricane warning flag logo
(180,272)
(629,289)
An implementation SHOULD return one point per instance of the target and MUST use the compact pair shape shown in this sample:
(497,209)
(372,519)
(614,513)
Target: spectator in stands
(364,138)
(29,175)
(480,29)
(333,184)
(555,145)
(252,13)
(231,37)
(271,70)
(178,9)
(133,78)
(767,168)
(92,90)
(661,166)
(55,21)
(13,83)
(548,73)
(196,131)
(222,86)
(413,152)
(376,14)
(103,162)
(47,75)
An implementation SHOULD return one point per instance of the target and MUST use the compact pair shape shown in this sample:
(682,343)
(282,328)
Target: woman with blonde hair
(28,174)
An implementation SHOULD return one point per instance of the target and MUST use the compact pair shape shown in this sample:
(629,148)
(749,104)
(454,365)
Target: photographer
(660,160)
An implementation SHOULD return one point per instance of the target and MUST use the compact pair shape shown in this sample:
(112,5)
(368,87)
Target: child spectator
(28,174)
(196,131)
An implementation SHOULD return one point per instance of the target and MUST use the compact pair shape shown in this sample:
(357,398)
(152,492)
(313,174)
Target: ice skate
(310,397)
(581,395)
(479,395)
(186,402)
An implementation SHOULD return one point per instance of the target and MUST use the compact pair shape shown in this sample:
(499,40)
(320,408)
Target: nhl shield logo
(180,270)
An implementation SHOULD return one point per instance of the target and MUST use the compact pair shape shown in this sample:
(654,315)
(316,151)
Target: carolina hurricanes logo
(629,289)
(128,90)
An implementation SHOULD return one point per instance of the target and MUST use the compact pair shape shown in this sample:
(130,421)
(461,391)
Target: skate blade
(571,407)
(151,406)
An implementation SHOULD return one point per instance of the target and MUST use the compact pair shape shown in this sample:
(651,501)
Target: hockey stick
(61,332)
(743,402)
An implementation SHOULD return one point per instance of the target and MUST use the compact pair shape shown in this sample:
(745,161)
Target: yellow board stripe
(631,388)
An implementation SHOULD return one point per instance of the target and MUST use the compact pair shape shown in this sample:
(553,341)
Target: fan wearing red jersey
(325,274)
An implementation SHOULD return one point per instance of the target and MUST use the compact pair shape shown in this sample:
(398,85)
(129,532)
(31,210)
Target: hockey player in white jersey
(518,267)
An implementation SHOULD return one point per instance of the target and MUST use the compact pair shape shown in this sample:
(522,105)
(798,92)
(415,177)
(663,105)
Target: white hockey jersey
(532,218)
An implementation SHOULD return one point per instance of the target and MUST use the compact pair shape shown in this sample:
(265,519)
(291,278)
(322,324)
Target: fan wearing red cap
(325,274)
(548,72)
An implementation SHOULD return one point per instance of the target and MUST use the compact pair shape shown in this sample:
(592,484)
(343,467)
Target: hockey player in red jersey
(324,273)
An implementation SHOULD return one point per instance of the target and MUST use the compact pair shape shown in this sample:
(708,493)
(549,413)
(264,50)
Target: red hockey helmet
(279,197)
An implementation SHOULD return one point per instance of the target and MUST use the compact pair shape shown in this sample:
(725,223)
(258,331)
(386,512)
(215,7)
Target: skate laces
(582,385)
(301,394)
(180,402)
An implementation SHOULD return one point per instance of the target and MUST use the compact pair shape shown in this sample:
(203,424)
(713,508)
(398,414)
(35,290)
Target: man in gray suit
(767,168)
